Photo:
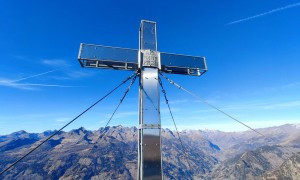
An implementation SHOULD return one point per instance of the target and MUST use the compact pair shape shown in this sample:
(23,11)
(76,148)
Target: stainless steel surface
(152,154)
(149,161)
(148,35)
(148,62)
(150,141)
(182,64)
(97,56)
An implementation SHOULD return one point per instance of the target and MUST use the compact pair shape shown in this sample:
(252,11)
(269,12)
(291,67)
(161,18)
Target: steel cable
(167,102)
(111,117)
(55,133)
(214,107)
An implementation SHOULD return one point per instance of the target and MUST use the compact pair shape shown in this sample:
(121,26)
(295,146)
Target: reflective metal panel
(151,154)
(181,64)
(149,129)
(148,35)
(150,96)
(108,57)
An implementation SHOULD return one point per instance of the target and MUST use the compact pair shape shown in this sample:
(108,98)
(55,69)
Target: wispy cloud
(21,57)
(55,62)
(62,120)
(265,13)
(179,101)
(36,75)
(288,86)
(264,105)
(258,106)
(10,83)
(30,86)
(122,115)
(64,66)
(78,74)
(282,105)
(30,116)
(46,85)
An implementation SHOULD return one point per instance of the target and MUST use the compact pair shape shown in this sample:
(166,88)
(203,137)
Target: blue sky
(252,51)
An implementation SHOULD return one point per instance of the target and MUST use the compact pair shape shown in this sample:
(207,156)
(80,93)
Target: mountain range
(211,154)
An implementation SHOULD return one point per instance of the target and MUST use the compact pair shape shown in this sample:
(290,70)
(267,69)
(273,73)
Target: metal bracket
(149,126)
(151,58)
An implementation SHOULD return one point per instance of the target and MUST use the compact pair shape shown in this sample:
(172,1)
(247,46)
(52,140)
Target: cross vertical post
(149,145)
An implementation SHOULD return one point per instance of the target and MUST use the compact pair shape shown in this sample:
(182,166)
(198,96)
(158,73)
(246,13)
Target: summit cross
(148,62)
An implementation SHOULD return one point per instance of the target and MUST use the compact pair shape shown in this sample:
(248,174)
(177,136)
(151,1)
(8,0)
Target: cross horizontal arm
(98,56)
(182,64)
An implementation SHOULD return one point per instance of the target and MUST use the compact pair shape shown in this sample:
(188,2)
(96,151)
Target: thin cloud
(263,106)
(9,83)
(65,67)
(46,85)
(182,101)
(79,74)
(20,57)
(289,86)
(55,62)
(30,86)
(62,119)
(264,14)
(283,105)
(125,114)
(270,105)
(36,75)
(21,87)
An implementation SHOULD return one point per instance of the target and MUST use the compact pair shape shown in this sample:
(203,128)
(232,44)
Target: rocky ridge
(211,154)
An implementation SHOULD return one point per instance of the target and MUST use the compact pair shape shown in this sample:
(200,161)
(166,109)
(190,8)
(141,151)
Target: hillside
(290,169)
(212,154)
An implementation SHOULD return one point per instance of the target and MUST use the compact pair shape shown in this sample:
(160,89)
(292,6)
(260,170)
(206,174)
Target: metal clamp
(151,58)
(149,126)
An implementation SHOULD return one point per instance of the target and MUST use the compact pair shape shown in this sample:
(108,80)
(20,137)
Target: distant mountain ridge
(212,154)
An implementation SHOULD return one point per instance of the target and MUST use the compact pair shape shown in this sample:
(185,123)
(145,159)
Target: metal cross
(148,62)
